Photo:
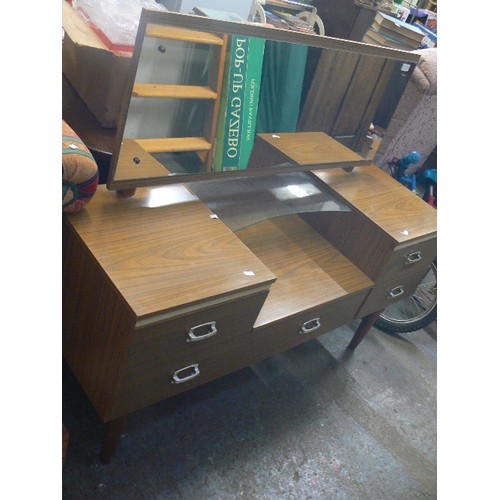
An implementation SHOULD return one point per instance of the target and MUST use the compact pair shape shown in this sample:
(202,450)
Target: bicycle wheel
(415,311)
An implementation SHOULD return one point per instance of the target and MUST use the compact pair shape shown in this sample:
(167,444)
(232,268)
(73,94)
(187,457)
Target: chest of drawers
(394,251)
(136,274)
(160,295)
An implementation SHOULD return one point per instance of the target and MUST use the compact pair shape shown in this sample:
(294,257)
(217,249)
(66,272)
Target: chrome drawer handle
(396,292)
(191,372)
(310,325)
(209,327)
(413,257)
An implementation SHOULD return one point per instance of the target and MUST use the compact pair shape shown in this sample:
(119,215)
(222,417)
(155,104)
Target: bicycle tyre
(414,312)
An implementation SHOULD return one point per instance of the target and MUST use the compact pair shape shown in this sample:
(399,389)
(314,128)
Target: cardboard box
(96,73)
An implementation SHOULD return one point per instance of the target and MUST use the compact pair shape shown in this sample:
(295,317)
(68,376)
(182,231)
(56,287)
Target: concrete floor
(311,423)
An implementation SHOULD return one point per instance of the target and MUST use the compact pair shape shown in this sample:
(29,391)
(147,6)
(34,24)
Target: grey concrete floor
(315,422)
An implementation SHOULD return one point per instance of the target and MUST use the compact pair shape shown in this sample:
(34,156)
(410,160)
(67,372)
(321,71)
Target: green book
(239,103)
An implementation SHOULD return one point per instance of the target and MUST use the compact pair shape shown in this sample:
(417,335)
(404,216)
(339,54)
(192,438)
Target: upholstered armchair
(80,175)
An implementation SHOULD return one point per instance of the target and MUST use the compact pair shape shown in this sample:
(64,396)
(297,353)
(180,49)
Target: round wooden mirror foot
(126,193)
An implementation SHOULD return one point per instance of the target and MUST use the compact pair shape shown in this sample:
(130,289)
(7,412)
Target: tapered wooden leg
(112,434)
(365,325)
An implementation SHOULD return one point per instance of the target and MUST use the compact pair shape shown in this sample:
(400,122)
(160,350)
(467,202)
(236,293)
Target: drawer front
(391,291)
(150,379)
(195,332)
(158,351)
(174,377)
(281,335)
(410,258)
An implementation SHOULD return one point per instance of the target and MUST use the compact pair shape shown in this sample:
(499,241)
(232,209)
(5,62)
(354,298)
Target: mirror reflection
(204,95)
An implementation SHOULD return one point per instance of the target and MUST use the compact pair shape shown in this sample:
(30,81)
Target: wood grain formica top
(309,148)
(390,205)
(310,271)
(162,249)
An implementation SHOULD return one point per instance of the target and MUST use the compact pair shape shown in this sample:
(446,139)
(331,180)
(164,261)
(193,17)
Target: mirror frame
(198,23)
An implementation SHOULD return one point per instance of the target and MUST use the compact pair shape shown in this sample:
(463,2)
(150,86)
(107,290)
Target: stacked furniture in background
(389,32)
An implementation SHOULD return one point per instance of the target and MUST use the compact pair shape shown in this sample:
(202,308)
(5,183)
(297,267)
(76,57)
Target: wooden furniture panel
(96,324)
(350,19)
(154,382)
(148,279)
(157,351)
(137,392)
(173,91)
(143,275)
(347,19)
(356,236)
(310,272)
(174,144)
(204,327)
(345,94)
(410,257)
(133,262)
(371,233)
(320,111)
(304,148)
(391,291)
(138,163)
(155,247)
(368,75)
(391,249)
(272,338)
(183,35)
(384,201)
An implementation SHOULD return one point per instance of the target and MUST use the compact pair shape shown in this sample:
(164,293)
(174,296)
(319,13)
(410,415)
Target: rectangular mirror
(210,98)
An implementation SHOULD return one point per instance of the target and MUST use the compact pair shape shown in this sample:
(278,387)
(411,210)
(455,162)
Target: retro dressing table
(183,282)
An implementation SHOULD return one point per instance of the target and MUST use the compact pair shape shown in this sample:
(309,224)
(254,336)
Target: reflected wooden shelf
(303,148)
(211,93)
(173,91)
(138,163)
(183,35)
(174,144)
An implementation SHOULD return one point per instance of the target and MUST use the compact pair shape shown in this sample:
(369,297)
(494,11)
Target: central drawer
(278,336)
(170,357)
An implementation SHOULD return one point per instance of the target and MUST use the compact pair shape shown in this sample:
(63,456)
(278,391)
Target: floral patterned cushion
(80,175)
